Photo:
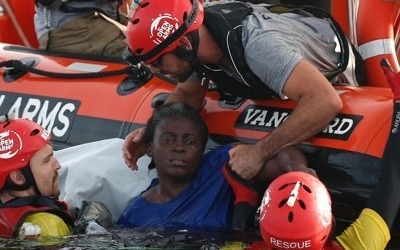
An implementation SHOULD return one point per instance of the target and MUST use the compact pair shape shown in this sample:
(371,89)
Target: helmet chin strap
(29,182)
(187,55)
(190,55)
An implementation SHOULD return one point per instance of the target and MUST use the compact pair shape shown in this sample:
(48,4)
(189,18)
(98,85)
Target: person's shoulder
(217,154)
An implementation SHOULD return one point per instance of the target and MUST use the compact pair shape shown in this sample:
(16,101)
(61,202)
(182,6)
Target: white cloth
(96,172)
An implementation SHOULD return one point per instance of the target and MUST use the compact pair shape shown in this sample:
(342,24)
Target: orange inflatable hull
(362,126)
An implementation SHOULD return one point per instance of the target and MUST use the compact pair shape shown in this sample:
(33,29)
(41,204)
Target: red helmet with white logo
(296,213)
(20,139)
(155,27)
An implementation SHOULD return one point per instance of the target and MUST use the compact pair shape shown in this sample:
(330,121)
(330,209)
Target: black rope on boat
(136,71)
(131,70)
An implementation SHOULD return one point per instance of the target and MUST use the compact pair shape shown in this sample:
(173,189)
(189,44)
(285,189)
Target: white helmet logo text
(10,144)
(162,27)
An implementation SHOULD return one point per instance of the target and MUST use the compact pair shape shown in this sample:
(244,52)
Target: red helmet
(296,213)
(20,139)
(156,27)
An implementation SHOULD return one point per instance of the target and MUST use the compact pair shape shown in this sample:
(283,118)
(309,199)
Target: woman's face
(177,149)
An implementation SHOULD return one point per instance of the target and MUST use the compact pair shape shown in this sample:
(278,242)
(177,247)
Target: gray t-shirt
(51,17)
(275,43)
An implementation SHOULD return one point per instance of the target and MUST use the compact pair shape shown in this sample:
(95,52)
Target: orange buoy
(397,30)
(375,38)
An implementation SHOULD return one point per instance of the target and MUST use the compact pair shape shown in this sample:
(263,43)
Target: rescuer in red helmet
(248,51)
(296,212)
(29,188)
(296,208)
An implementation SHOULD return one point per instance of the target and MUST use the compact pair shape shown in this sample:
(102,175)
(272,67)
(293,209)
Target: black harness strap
(225,23)
(36,201)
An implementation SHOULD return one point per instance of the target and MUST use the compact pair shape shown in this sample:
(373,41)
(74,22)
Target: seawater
(141,239)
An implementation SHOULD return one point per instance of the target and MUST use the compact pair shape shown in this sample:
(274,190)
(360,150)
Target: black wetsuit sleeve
(385,199)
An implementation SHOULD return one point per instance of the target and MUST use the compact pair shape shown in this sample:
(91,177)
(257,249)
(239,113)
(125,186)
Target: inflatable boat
(83,99)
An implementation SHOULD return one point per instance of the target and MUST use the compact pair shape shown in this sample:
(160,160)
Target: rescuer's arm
(317,104)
